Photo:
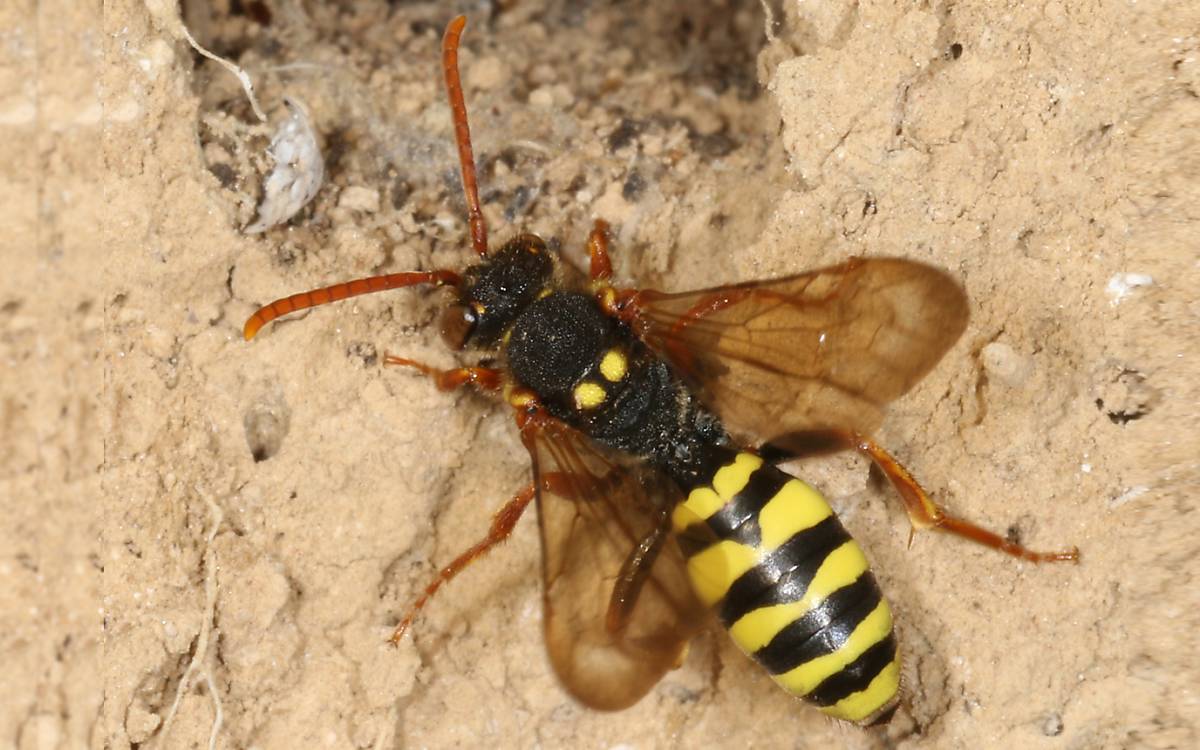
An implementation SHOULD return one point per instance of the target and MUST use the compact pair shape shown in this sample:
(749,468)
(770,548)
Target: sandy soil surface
(206,542)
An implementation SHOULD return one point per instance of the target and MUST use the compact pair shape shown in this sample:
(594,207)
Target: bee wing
(594,512)
(820,350)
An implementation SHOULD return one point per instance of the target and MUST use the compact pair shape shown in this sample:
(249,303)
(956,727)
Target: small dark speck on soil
(625,133)
(224,174)
(634,185)
(714,146)
(364,352)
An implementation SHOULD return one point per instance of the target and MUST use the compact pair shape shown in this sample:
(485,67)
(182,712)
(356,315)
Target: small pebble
(358,198)
(545,97)
(1005,365)
(1122,284)
(541,97)
(486,73)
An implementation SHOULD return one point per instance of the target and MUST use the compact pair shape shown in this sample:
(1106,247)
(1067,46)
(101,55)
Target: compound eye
(458,323)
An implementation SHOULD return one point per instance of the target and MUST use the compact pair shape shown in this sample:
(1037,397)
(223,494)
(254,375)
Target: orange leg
(925,514)
(597,247)
(502,525)
(484,378)
(635,571)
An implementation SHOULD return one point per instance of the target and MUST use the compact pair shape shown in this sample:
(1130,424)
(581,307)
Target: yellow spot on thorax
(589,395)
(614,365)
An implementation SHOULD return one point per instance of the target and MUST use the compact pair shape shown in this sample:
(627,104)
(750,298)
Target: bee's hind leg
(923,513)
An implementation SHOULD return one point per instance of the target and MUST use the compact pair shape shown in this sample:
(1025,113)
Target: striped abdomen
(767,552)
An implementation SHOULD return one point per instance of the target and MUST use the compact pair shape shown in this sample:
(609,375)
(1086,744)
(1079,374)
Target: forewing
(820,350)
(593,510)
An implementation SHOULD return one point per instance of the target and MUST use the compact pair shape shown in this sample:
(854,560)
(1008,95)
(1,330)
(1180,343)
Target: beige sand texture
(162,588)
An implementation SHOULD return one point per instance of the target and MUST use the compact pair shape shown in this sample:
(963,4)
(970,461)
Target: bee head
(495,291)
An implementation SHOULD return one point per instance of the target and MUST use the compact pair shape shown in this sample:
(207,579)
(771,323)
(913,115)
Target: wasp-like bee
(654,422)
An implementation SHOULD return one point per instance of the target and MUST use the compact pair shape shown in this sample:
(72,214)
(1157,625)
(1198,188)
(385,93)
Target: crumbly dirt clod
(1036,151)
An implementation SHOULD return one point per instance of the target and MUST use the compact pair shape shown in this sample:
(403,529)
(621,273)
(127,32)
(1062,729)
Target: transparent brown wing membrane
(823,349)
(602,524)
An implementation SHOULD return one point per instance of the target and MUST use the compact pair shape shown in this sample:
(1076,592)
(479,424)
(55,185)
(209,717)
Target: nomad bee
(638,409)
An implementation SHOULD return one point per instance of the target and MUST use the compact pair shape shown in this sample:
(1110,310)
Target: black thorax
(558,342)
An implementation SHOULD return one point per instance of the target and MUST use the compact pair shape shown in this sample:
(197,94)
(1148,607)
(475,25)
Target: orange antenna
(462,133)
(325,295)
